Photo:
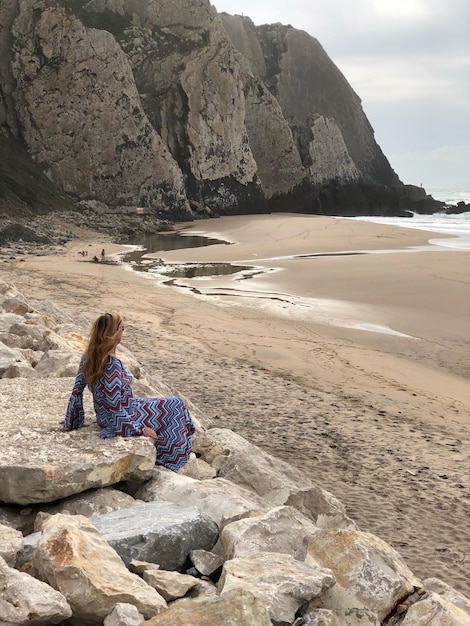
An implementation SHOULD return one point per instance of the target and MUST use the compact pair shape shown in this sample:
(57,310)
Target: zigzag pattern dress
(120,414)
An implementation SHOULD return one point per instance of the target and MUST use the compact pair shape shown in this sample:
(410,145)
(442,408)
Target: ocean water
(450,224)
(450,195)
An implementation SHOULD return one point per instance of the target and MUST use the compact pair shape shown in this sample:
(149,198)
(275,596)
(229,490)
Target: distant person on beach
(103,255)
(118,412)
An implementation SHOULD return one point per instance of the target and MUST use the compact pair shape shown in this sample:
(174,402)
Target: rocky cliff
(167,105)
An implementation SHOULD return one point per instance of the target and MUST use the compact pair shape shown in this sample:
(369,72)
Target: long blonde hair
(103,339)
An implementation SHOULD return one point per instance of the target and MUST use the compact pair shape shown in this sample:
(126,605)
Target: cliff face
(167,105)
(305,81)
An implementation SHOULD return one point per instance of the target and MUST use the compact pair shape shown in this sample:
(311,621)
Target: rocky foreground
(93,532)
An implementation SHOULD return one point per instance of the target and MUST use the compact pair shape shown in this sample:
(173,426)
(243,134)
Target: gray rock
(18,518)
(203,590)
(199,469)
(14,340)
(329,155)
(243,35)
(154,532)
(206,563)
(139,567)
(305,81)
(51,312)
(6,289)
(157,532)
(246,135)
(280,168)
(17,305)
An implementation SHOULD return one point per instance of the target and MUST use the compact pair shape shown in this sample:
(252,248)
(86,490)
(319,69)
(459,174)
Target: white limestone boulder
(58,363)
(74,558)
(170,585)
(281,583)
(200,589)
(17,341)
(20,370)
(240,606)
(216,497)
(10,356)
(435,610)
(276,481)
(88,503)
(449,593)
(123,614)
(17,305)
(40,462)
(7,290)
(26,601)
(199,469)
(326,617)
(7,320)
(87,462)
(282,529)
(50,312)
(369,573)
(11,544)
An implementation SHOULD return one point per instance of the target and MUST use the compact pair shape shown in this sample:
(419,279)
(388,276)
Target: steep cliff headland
(171,107)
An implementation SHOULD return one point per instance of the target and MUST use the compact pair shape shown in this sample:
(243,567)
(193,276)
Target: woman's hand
(148,432)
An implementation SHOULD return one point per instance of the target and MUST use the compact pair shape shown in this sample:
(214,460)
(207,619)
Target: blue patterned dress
(120,413)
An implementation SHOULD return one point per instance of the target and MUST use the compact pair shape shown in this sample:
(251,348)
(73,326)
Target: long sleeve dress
(120,413)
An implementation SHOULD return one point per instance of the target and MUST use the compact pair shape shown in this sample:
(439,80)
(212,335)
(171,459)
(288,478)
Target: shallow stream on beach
(162,242)
(284,285)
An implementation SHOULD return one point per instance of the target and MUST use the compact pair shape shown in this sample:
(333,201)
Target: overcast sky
(409,62)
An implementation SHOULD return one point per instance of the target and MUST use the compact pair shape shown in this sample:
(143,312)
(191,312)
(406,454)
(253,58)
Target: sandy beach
(342,348)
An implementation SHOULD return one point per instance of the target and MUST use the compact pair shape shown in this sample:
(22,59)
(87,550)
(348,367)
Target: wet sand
(351,365)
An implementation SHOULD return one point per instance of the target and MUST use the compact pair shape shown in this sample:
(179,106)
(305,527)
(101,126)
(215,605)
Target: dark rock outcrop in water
(169,106)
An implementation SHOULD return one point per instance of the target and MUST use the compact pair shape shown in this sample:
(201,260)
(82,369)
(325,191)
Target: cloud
(446,167)
(396,79)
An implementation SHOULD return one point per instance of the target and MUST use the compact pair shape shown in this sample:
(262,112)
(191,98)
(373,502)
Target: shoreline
(382,425)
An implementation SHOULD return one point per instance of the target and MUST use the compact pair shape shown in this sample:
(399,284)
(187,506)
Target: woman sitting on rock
(118,411)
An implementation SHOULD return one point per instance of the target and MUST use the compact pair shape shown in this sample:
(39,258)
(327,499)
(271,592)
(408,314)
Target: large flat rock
(40,462)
